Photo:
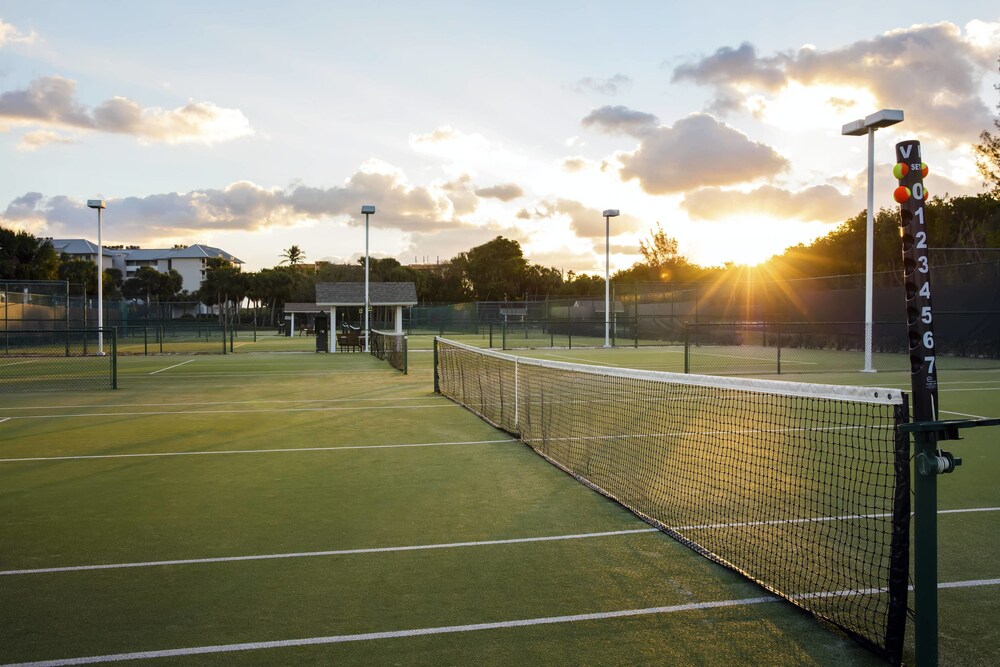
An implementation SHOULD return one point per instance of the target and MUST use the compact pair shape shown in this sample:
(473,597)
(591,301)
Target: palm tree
(293,255)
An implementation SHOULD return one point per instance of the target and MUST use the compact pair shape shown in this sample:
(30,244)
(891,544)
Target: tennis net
(802,488)
(389,346)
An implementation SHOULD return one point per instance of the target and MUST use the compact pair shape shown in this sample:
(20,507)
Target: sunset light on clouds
(263,127)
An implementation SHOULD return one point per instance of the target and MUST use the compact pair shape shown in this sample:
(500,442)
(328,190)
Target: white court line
(84,457)
(447,545)
(5,419)
(174,366)
(961,414)
(18,363)
(389,399)
(229,412)
(338,552)
(472,627)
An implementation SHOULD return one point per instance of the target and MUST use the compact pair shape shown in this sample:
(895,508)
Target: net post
(516,394)
(925,602)
(503,329)
(406,357)
(145,340)
(232,336)
(224,351)
(911,195)
(437,379)
(160,335)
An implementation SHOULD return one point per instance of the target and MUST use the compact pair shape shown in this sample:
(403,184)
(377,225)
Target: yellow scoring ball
(900,170)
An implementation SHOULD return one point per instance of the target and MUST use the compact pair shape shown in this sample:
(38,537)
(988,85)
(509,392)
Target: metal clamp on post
(940,462)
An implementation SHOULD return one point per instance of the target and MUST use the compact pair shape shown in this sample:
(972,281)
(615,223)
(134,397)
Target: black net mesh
(389,347)
(801,488)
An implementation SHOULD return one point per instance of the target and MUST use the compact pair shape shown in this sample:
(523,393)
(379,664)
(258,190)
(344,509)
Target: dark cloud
(931,71)
(51,101)
(823,203)
(611,86)
(621,120)
(503,191)
(698,151)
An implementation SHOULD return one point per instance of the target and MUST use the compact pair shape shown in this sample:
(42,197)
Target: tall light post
(367,210)
(858,128)
(100,205)
(608,214)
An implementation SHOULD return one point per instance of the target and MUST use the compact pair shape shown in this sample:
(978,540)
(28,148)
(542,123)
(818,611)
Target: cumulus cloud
(610,86)
(621,120)
(34,140)
(574,163)
(821,203)
(503,191)
(586,222)
(9,34)
(243,206)
(52,102)
(935,71)
(697,151)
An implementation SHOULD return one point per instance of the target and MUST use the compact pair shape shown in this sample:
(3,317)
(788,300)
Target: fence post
(145,340)
(114,358)
(778,335)
(687,347)
(160,328)
(504,334)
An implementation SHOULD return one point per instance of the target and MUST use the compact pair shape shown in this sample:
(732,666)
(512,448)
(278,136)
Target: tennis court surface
(327,509)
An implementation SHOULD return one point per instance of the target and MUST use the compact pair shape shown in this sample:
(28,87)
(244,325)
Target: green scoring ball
(900,170)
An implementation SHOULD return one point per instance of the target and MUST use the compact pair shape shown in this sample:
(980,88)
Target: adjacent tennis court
(281,508)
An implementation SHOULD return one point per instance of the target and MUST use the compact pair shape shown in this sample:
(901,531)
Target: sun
(752,240)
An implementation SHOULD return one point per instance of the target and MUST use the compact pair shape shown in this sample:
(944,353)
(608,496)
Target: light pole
(608,214)
(858,128)
(100,205)
(367,210)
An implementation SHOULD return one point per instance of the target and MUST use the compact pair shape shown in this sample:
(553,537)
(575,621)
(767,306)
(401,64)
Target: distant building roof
(79,247)
(353,294)
(85,247)
(198,250)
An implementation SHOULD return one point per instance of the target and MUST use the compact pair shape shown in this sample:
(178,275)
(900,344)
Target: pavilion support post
(333,328)
(399,319)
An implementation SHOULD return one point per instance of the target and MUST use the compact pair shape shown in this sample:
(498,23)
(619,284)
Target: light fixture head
(884,118)
(367,209)
(879,119)
(611,213)
(96,203)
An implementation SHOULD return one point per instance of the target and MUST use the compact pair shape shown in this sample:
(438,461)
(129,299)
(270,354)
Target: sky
(255,126)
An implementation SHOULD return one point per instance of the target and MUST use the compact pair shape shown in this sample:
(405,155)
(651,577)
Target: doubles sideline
(448,629)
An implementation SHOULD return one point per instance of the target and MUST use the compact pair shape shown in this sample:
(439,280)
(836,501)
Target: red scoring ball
(901,194)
